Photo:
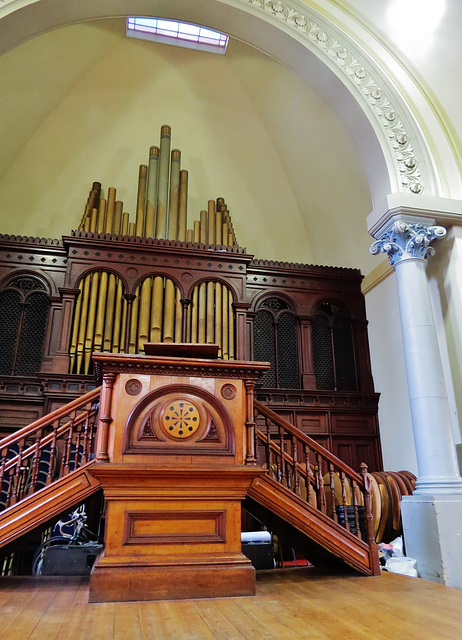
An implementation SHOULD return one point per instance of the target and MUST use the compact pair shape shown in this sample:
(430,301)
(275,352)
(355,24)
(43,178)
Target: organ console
(122,279)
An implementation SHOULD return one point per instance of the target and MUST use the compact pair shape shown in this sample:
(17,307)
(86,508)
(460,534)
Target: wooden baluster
(320,484)
(86,429)
(67,448)
(296,487)
(9,493)
(309,488)
(78,443)
(2,468)
(355,508)
(53,452)
(35,462)
(344,500)
(92,415)
(332,492)
(18,473)
(367,505)
(269,460)
(282,471)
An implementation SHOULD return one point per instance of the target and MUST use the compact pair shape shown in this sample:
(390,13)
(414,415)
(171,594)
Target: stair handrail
(47,449)
(313,475)
(315,446)
(59,413)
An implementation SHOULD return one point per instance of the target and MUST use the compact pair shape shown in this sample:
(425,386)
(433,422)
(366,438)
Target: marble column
(432,517)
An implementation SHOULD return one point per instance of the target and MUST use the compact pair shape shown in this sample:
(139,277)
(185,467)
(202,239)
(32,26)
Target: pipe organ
(122,279)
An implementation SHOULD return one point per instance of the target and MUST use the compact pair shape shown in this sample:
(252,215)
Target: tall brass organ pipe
(210,317)
(99,320)
(161,204)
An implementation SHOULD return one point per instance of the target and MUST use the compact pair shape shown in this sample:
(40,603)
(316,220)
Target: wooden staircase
(302,497)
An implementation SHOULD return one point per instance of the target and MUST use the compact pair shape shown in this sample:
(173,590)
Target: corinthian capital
(407,240)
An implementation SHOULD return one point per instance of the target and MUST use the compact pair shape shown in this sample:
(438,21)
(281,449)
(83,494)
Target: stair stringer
(46,503)
(315,525)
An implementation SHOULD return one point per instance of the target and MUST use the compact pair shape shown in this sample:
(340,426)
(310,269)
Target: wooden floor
(293,603)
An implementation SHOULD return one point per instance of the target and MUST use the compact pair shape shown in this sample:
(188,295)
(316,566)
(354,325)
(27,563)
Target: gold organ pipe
(178,316)
(75,328)
(132,229)
(218,319)
(133,339)
(202,312)
(164,166)
(210,321)
(190,235)
(110,319)
(174,201)
(118,207)
(203,227)
(220,203)
(218,228)
(212,222)
(151,194)
(118,317)
(169,312)
(157,309)
(123,324)
(197,231)
(111,195)
(145,314)
(90,329)
(125,224)
(194,307)
(82,322)
(231,326)
(101,216)
(86,226)
(101,311)
(141,200)
(224,233)
(183,205)
(225,323)
(94,220)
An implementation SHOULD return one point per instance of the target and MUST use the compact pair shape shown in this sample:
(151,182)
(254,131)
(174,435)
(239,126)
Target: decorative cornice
(360,72)
(406,241)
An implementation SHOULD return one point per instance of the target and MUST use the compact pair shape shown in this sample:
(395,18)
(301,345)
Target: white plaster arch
(396,154)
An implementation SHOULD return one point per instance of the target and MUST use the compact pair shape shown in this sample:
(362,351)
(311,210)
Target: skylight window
(181,34)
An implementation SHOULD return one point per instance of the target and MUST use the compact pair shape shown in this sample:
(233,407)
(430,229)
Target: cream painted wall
(84,103)
(386,347)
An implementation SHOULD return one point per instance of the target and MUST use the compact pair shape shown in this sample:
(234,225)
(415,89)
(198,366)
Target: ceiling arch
(395,154)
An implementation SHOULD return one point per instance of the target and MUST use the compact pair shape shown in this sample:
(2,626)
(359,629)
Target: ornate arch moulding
(412,163)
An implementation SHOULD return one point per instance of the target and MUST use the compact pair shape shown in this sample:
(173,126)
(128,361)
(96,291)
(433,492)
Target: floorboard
(301,603)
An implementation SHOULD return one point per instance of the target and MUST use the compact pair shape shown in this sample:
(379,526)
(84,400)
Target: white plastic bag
(402,565)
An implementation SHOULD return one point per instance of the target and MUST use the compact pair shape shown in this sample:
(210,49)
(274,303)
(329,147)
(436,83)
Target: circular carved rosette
(180,418)
(228,391)
(133,387)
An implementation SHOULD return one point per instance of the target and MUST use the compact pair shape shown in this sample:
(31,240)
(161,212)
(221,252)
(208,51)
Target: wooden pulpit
(175,458)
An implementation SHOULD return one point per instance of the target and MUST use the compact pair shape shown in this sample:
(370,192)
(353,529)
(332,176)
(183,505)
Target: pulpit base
(112,583)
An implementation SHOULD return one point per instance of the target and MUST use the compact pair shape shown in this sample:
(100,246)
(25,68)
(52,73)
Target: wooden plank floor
(294,603)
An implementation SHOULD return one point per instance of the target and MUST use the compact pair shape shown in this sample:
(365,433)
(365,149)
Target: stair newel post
(367,505)
(355,507)
(250,423)
(320,483)
(344,500)
(105,418)
(332,492)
